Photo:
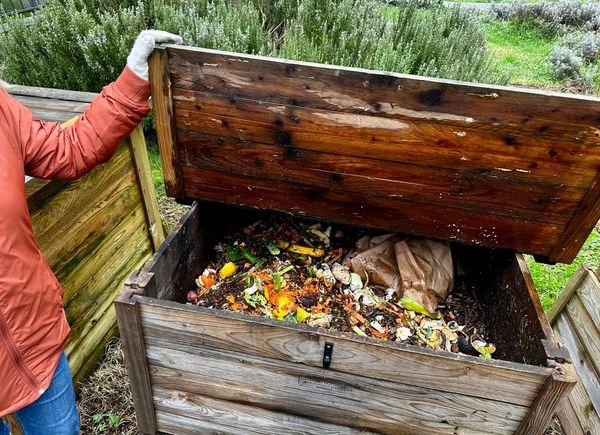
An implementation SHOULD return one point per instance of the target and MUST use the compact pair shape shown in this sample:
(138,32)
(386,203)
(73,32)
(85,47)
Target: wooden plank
(86,287)
(397,181)
(584,220)
(496,380)
(89,345)
(359,135)
(92,358)
(589,293)
(581,359)
(586,331)
(578,413)
(144,177)
(67,106)
(132,336)
(81,212)
(182,255)
(557,387)
(58,94)
(587,417)
(510,110)
(525,136)
(162,106)
(566,293)
(567,417)
(348,207)
(98,290)
(181,413)
(333,397)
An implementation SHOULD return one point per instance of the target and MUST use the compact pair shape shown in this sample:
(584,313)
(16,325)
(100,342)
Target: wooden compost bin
(495,170)
(92,231)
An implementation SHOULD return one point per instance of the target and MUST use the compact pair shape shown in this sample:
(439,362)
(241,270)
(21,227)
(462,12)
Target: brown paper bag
(417,268)
(426,270)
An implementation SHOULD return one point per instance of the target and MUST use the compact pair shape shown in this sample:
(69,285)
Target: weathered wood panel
(496,380)
(419,184)
(576,321)
(375,212)
(179,412)
(515,169)
(93,231)
(353,400)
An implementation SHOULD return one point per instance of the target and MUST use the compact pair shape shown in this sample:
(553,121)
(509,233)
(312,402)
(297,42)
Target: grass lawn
(550,280)
(521,50)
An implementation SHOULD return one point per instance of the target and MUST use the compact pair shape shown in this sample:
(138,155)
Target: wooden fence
(575,318)
(93,231)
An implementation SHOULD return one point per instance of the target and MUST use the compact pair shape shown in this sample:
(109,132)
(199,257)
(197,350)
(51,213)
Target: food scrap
(308,273)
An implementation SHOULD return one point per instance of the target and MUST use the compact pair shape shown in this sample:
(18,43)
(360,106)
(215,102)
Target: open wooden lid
(485,165)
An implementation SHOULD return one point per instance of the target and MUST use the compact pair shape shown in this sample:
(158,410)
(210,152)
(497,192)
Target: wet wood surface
(484,165)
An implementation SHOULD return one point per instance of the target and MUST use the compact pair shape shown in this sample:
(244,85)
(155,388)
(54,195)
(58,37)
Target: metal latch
(327,352)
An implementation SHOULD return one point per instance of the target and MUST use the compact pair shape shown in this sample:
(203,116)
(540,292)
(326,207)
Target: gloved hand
(143,47)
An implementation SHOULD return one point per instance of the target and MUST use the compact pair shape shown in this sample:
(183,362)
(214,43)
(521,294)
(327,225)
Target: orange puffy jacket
(33,325)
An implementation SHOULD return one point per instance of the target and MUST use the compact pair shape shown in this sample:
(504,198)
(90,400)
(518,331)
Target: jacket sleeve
(51,151)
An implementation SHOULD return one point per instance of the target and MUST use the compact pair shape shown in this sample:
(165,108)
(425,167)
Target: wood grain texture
(386,180)
(565,295)
(585,329)
(179,412)
(507,159)
(557,387)
(477,228)
(130,327)
(496,380)
(568,418)
(578,413)
(589,293)
(576,322)
(144,176)
(354,90)
(581,360)
(160,87)
(360,135)
(335,397)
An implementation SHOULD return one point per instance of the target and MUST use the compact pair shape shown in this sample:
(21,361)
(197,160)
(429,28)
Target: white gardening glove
(137,60)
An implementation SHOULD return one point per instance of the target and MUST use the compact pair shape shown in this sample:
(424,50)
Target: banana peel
(300,250)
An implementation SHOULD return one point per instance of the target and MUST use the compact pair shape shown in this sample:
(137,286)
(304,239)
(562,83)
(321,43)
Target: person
(35,379)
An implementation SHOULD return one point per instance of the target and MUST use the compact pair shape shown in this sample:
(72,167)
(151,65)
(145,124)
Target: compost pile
(302,272)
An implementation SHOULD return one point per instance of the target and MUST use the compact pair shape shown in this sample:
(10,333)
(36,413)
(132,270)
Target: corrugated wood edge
(162,103)
(143,172)
(134,349)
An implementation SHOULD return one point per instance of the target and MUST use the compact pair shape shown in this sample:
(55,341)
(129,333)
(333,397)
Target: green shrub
(438,42)
(68,47)
(215,24)
(83,44)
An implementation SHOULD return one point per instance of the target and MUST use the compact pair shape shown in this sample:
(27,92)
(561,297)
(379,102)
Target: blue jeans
(55,412)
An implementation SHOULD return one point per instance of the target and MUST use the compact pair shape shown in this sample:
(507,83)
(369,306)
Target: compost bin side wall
(93,232)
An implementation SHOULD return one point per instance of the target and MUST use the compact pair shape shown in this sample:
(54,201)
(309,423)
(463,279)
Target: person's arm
(50,151)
